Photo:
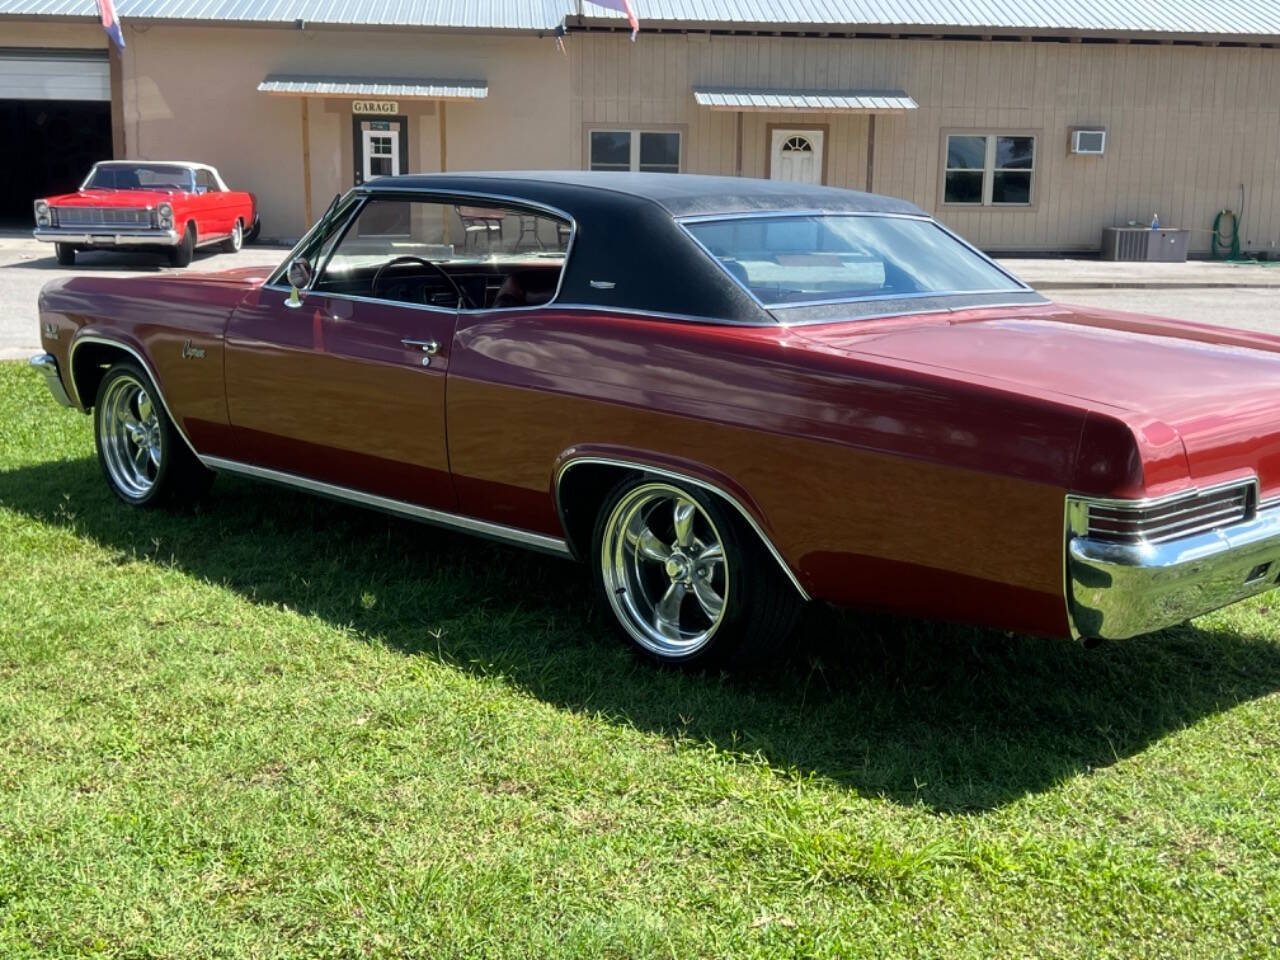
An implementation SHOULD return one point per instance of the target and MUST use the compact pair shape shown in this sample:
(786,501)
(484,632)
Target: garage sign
(384,107)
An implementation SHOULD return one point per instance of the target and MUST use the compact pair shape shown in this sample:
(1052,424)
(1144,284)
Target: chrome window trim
(1003,304)
(111,342)
(1002,291)
(683,222)
(674,475)
(494,531)
(366,194)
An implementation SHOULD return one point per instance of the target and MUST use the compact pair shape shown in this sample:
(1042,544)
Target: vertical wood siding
(1186,126)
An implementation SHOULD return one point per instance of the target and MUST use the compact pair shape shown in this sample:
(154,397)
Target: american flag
(622,6)
(111,22)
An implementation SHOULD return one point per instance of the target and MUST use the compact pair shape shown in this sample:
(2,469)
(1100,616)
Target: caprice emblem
(189,352)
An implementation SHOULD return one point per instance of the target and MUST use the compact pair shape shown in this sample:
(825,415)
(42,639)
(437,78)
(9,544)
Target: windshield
(820,258)
(141,176)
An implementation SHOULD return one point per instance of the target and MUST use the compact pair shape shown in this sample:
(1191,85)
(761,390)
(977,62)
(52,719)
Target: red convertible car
(727,396)
(174,208)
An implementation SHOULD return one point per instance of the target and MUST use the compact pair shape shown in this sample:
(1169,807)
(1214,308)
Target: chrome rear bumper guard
(1122,590)
(48,367)
(105,237)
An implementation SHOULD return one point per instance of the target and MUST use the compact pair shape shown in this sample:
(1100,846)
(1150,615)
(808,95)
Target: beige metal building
(1028,130)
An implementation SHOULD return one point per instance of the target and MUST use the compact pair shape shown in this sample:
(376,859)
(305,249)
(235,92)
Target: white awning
(400,89)
(804,101)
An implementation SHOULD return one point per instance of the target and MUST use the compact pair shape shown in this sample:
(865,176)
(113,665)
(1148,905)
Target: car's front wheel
(686,580)
(65,253)
(180,256)
(234,242)
(142,455)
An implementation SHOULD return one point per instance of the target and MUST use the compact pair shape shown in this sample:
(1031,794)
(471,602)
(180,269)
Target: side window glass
(204,182)
(471,253)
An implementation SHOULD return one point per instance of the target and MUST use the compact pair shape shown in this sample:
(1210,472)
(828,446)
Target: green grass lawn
(280,727)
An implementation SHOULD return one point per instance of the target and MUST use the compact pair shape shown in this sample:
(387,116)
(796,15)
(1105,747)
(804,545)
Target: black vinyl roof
(629,252)
(681,195)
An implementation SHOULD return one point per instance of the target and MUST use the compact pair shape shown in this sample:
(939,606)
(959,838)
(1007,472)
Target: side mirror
(299,274)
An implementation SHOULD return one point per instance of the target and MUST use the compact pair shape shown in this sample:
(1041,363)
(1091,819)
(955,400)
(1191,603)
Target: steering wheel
(462,297)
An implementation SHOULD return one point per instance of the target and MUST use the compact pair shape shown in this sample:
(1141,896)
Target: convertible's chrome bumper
(1124,590)
(48,367)
(105,237)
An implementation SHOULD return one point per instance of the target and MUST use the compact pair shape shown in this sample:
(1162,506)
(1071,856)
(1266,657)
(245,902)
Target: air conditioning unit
(1091,143)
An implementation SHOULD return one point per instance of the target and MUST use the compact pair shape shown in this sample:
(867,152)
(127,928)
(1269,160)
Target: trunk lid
(1217,388)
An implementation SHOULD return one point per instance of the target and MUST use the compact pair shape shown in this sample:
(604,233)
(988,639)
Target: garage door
(54,75)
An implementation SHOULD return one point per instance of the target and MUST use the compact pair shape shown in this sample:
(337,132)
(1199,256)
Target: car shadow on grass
(952,718)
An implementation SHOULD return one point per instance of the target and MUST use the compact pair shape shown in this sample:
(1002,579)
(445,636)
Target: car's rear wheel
(180,256)
(251,235)
(234,242)
(65,253)
(142,455)
(684,578)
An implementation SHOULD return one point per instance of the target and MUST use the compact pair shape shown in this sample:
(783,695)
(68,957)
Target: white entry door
(796,155)
(381,153)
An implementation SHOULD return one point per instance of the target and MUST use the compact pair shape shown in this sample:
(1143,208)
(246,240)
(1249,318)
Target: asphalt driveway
(26,265)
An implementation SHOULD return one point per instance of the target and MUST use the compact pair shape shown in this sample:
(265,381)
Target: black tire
(180,256)
(234,242)
(759,604)
(65,253)
(173,475)
(251,235)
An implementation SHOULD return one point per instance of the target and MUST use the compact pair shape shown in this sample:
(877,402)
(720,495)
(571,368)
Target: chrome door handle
(428,346)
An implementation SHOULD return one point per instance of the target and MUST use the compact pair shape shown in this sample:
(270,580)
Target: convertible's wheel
(65,253)
(684,578)
(251,235)
(141,453)
(234,242)
(180,256)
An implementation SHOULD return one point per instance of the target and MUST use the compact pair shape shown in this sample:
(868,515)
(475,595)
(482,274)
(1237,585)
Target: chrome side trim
(107,341)
(493,531)
(47,364)
(685,478)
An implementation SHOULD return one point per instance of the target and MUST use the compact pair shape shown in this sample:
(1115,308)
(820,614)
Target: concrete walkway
(1055,274)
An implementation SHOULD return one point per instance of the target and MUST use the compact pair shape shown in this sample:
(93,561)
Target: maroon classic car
(168,207)
(727,396)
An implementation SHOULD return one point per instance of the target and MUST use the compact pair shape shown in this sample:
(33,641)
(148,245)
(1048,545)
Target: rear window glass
(819,258)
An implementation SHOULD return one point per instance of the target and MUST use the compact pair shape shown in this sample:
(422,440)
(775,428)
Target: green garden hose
(1226,247)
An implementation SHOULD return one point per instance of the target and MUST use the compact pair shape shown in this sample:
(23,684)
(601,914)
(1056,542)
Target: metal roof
(454,14)
(809,101)
(1219,18)
(403,88)
(1216,17)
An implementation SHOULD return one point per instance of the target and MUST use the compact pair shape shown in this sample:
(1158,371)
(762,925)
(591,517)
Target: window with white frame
(649,151)
(993,170)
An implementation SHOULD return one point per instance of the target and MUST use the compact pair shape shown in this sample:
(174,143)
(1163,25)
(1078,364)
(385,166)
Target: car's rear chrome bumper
(106,237)
(1122,590)
(48,367)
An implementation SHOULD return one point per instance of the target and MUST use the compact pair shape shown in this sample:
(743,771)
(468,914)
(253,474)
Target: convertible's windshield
(141,176)
(821,258)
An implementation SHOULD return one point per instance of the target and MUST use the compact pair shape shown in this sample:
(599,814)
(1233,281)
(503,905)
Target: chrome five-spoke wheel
(143,457)
(131,435)
(665,570)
